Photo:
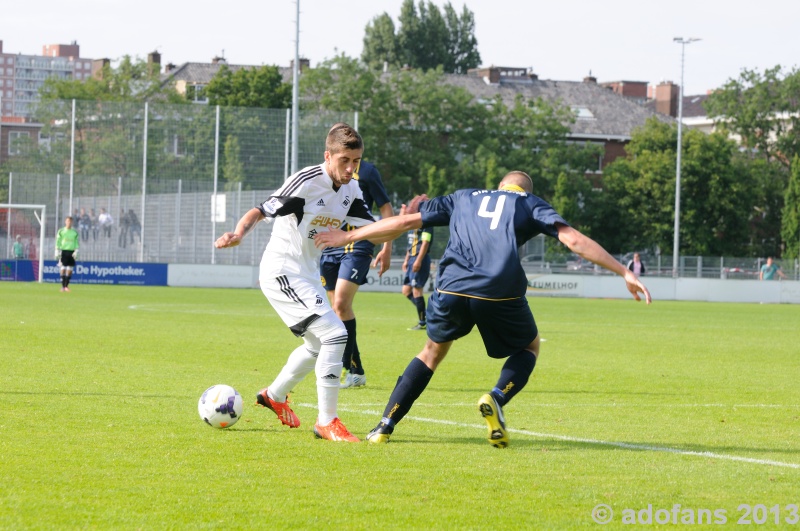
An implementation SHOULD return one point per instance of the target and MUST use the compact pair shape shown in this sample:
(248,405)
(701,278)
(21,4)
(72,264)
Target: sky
(623,40)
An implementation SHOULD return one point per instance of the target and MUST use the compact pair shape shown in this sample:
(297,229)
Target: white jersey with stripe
(306,204)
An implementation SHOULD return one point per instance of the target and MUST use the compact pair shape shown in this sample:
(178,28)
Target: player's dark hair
(342,137)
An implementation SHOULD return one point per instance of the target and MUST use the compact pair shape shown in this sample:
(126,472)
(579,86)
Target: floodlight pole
(296,94)
(677,229)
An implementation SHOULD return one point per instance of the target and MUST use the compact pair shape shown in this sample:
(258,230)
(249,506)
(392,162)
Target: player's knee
(534,346)
(328,328)
(342,308)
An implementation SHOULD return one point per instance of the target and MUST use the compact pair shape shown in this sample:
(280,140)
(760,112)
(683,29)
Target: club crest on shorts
(319,301)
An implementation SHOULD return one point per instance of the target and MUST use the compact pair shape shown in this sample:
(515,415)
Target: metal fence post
(214,199)
(8,216)
(287,144)
(178,242)
(144,185)
(58,201)
(71,159)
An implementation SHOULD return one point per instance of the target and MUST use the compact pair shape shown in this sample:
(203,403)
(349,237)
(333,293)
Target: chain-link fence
(153,170)
(154,182)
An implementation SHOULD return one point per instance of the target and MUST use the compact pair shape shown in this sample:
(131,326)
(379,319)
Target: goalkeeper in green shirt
(67,242)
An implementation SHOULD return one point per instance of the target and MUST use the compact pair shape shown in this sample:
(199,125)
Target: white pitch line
(568,438)
(660,406)
(609,404)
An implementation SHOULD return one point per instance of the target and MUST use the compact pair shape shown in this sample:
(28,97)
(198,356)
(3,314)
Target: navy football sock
(516,371)
(347,356)
(355,363)
(409,386)
(419,302)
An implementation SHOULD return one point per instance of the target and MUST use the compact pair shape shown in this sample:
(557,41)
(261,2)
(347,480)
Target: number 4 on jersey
(495,214)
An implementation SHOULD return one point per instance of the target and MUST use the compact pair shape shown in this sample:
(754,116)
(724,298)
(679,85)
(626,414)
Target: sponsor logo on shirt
(324,221)
(270,206)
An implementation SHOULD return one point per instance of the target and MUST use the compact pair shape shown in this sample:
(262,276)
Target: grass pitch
(636,408)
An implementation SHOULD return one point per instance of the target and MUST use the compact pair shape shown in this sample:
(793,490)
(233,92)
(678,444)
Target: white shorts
(294,298)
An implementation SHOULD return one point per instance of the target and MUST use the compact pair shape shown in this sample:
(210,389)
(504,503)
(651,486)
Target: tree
(429,136)
(249,87)
(380,43)
(790,222)
(425,39)
(764,110)
(719,195)
(462,46)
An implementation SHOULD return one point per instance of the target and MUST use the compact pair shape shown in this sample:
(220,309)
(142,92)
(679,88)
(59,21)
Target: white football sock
(333,337)
(301,362)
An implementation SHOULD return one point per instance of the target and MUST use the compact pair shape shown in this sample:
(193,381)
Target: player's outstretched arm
(245,225)
(589,249)
(378,232)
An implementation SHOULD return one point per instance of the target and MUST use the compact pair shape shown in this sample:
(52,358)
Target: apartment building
(22,75)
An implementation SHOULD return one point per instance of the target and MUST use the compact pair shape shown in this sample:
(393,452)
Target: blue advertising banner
(21,270)
(131,274)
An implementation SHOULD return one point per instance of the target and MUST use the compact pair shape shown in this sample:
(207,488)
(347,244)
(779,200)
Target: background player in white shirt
(308,203)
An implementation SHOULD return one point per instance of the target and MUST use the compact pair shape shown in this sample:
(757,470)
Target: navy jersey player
(309,202)
(344,269)
(480,281)
(417,269)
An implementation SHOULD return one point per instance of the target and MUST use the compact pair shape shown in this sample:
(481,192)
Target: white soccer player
(309,202)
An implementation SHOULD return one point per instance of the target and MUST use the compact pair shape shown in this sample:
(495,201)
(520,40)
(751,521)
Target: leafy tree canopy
(790,221)
(725,200)
(249,87)
(428,136)
(426,38)
(762,109)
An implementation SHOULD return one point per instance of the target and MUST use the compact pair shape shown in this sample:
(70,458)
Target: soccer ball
(220,406)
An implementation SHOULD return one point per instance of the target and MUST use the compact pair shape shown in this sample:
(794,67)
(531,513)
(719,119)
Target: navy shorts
(350,266)
(67,260)
(420,278)
(505,326)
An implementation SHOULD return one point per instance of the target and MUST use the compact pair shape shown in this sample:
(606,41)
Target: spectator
(134,227)
(84,224)
(124,225)
(93,224)
(636,266)
(19,250)
(106,222)
(769,270)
